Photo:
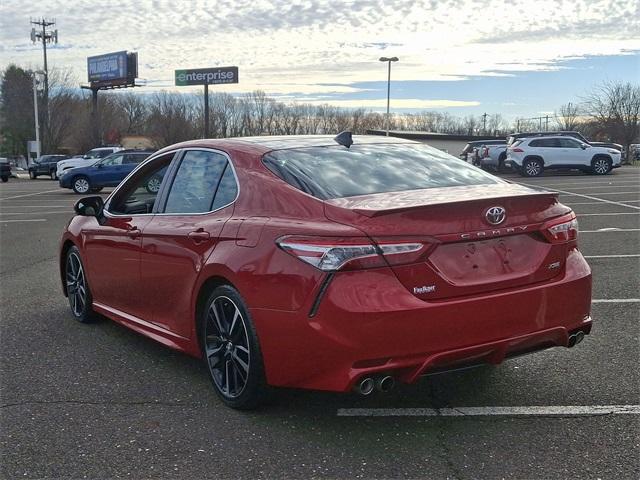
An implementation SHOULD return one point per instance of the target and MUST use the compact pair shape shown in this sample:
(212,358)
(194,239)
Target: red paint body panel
(366,321)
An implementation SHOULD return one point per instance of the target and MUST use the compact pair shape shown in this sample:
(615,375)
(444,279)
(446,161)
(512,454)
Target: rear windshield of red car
(336,172)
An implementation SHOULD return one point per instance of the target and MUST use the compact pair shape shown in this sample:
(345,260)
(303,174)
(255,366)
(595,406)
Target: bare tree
(615,108)
(568,117)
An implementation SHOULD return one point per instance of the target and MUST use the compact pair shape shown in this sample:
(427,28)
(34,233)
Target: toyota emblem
(496,215)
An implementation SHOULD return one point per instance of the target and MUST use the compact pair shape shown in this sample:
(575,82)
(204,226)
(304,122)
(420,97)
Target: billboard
(110,66)
(111,69)
(207,76)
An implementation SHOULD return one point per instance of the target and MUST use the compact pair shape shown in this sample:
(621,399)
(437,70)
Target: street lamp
(388,60)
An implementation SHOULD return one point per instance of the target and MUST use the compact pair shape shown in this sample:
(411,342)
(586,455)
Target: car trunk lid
(466,254)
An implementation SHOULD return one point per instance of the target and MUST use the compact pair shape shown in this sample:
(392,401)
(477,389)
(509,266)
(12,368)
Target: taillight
(562,230)
(485,152)
(330,254)
(517,150)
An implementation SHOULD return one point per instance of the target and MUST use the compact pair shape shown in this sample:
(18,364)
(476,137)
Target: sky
(520,58)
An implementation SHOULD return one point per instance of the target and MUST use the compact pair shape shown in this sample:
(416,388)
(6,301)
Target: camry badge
(496,215)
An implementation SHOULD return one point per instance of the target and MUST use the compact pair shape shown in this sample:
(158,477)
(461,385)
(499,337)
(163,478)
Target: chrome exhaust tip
(579,337)
(385,384)
(365,386)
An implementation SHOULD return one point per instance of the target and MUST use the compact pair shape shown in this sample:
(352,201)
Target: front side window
(139,193)
(196,182)
(335,172)
(568,143)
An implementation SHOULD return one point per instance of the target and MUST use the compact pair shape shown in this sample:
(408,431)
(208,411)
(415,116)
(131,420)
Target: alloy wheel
(227,347)
(532,168)
(601,166)
(153,185)
(81,185)
(76,285)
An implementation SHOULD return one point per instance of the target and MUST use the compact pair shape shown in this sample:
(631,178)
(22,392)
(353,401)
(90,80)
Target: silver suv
(530,156)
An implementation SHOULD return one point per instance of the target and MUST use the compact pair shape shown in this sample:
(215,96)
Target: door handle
(133,232)
(199,236)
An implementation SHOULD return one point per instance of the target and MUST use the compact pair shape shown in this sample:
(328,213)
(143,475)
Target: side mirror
(99,165)
(584,146)
(90,207)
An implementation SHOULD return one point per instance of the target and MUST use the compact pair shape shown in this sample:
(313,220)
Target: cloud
(314,47)
(398,103)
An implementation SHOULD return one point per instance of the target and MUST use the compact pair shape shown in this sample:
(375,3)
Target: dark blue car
(108,172)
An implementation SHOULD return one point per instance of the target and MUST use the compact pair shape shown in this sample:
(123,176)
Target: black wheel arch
(601,155)
(66,246)
(533,157)
(208,286)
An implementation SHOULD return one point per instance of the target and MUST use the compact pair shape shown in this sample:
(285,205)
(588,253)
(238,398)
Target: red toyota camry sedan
(327,263)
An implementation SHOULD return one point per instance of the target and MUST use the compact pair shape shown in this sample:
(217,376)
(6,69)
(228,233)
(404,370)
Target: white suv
(530,156)
(89,158)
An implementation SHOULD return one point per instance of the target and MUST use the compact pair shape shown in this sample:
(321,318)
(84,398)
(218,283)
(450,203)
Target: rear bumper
(368,323)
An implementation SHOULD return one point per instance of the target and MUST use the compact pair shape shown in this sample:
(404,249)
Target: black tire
(5,179)
(600,165)
(32,175)
(53,175)
(532,167)
(78,292)
(501,159)
(227,335)
(81,185)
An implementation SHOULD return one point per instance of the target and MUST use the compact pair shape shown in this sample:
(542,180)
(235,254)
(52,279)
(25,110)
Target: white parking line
(29,220)
(532,411)
(601,186)
(611,229)
(586,182)
(605,214)
(595,203)
(3,214)
(612,256)
(596,193)
(615,300)
(29,194)
(588,197)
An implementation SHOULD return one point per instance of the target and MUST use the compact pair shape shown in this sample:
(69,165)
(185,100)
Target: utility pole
(45,36)
(546,128)
(484,123)
(35,113)
(206,110)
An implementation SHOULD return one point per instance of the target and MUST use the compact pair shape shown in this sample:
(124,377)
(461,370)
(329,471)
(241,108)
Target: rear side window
(196,182)
(544,142)
(335,172)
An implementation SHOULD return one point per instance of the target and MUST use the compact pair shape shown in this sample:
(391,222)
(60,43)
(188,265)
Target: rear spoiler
(395,202)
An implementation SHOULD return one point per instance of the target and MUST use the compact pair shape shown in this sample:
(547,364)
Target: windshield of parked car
(335,172)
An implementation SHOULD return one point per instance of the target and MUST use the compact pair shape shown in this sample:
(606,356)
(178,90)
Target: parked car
(531,156)
(46,165)
(493,157)
(471,151)
(89,158)
(562,133)
(108,172)
(5,170)
(298,262)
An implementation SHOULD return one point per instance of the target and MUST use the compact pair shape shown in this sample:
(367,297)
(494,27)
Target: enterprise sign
(207,76)
(111,66)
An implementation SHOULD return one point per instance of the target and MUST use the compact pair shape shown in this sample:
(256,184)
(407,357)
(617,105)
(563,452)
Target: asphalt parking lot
(99,401)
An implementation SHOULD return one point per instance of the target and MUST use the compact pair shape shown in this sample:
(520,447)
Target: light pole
(388,60)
